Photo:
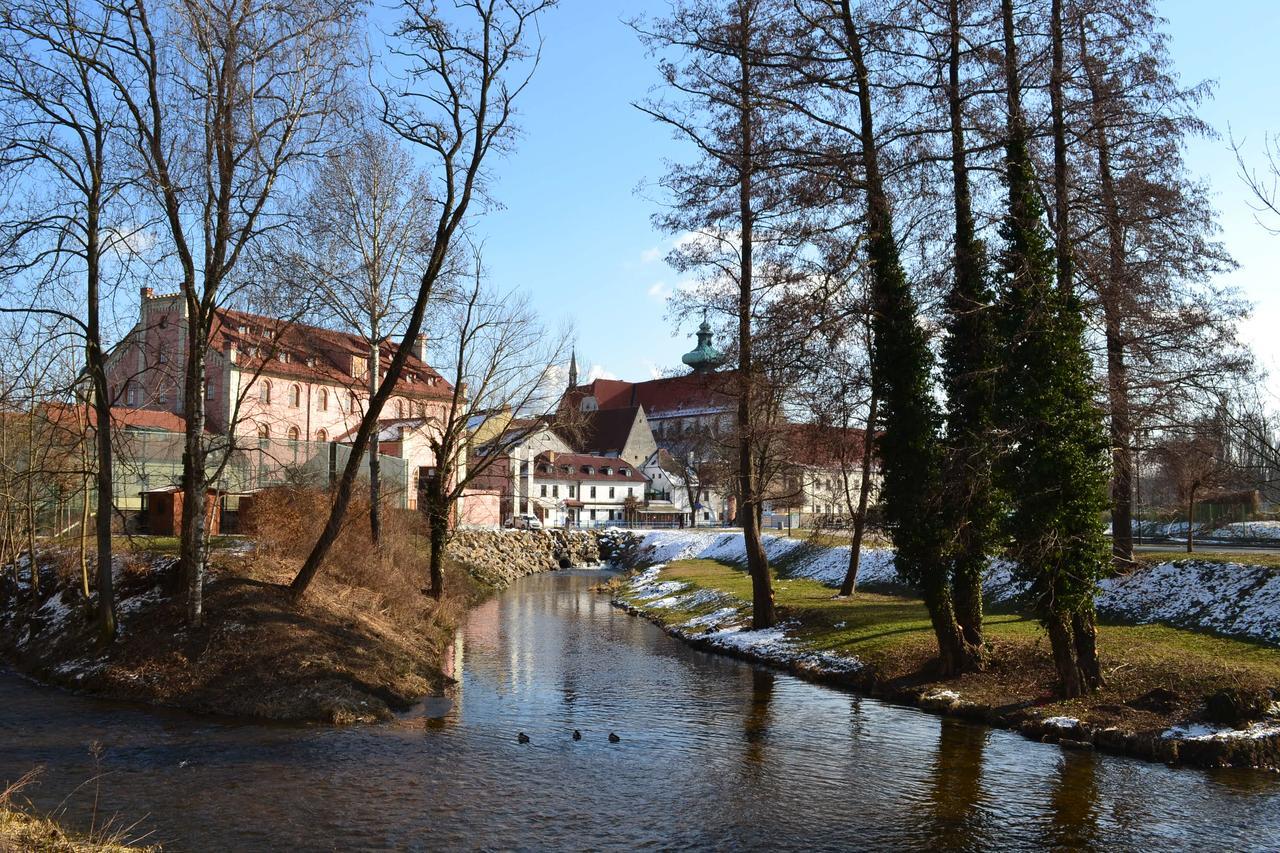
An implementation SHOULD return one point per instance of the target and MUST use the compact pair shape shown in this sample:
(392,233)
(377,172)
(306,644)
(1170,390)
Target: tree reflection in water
(956,795)
(755,730)
(1073,803)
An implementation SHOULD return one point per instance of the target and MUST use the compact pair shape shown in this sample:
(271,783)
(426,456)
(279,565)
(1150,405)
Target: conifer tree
(968,370)
(911,455)
(1055,468)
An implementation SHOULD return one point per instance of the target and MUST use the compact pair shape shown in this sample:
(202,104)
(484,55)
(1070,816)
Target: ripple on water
(714,754)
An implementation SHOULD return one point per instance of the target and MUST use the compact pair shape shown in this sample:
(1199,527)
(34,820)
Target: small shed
(162,511)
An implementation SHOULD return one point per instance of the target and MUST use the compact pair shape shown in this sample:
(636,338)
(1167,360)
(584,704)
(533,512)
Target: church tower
(573,370)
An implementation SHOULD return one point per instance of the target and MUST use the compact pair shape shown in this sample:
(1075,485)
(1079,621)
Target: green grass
(166,544)
(1248,558)
(893,634)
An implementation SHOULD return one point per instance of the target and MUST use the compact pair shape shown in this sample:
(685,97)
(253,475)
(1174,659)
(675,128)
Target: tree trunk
(31,497)
(1085,630)
(1065,663)
(96,361)
(762,611)
(850,583)
(1120,421)
(195,485)
(1191,519)
(375,469)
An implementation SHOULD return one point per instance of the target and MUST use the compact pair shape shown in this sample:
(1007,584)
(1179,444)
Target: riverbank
(1173,695)
(344,654)
(20,831)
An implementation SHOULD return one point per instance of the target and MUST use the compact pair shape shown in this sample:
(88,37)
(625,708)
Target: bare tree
(366,228)
(500,361)
(738,198)
(225,100)
(464,74)
(64,131)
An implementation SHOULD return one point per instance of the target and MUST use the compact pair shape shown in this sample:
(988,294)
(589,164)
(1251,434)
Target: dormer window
(588,469)
(282,357)
(359,366)
(242,329)
(626,472)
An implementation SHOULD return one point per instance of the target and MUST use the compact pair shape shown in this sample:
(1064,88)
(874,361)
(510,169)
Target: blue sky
(576,234)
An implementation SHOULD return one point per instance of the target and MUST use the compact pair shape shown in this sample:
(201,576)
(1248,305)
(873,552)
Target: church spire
(573,369)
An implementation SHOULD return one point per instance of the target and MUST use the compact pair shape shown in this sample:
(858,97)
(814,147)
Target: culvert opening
(565,564)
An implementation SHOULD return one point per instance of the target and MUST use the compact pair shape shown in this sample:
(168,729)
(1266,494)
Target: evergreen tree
(911,454)
(1055,467)
(969,365)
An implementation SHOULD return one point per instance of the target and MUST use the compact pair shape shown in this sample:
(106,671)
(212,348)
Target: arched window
(295,396)
(264,431)
(264,393)
(321,435)
(324,400)
(293,433)
(399,408)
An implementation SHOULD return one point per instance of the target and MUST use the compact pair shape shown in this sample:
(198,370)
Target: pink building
(271,383)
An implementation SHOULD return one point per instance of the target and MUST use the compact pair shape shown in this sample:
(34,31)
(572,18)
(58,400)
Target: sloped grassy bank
(1173,695)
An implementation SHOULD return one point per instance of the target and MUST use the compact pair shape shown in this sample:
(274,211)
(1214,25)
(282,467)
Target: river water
(714,754)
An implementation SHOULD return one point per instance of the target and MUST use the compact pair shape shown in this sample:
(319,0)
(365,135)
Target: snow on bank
(1232,599)
(723,625)
(1240,531)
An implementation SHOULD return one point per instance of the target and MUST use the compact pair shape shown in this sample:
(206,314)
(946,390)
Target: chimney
(420,350)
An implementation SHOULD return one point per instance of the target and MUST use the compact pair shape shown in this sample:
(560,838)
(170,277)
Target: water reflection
(714,755)
(755,728)
(1074,803)
(956,787)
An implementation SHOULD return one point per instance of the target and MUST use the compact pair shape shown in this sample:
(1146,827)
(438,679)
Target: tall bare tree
(365,230)
(64,133)
(724,95)
(501,362)
(464,73)
(225,101)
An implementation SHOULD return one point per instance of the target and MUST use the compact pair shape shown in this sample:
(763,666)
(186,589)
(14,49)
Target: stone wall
(497,557)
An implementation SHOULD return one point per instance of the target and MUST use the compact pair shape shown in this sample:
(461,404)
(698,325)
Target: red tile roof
(581,461)
(122,417)
(314,353)
(694,392)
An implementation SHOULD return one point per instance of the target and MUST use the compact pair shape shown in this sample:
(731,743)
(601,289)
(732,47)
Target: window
(321,435)
(282,357)
(131,394)
(355,404)
(359,366)
(399,408)
(611,491)
(264,431)
(295,396)
(572,490)
(324,400)
(593,515)
(631,491)
(544,490)
(626,472)
(294,435)
(593,494)
(555,491)
(210,391)
(264,393)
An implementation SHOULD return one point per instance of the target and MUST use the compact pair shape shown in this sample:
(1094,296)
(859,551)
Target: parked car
(525,522)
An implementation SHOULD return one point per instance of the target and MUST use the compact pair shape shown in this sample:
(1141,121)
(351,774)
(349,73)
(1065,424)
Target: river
(713,754)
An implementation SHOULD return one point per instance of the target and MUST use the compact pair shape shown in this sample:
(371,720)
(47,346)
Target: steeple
(573,370)
(704,358)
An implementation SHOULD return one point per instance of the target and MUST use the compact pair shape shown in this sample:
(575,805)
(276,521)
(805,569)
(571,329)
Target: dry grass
(363,643)
(21,830)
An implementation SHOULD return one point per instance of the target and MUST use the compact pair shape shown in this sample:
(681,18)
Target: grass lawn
(893,634)
(166,544)
(1252,558)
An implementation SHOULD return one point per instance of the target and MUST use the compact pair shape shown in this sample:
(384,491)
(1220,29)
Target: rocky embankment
(1233,727)
(498,557)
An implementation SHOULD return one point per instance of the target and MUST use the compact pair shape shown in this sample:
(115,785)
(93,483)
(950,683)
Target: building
(286,395)
(582,490)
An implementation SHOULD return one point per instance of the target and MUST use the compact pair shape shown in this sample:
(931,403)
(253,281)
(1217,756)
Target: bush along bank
(1173,695)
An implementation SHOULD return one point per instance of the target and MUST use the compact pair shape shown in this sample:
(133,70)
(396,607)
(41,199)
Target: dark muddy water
(714,754)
